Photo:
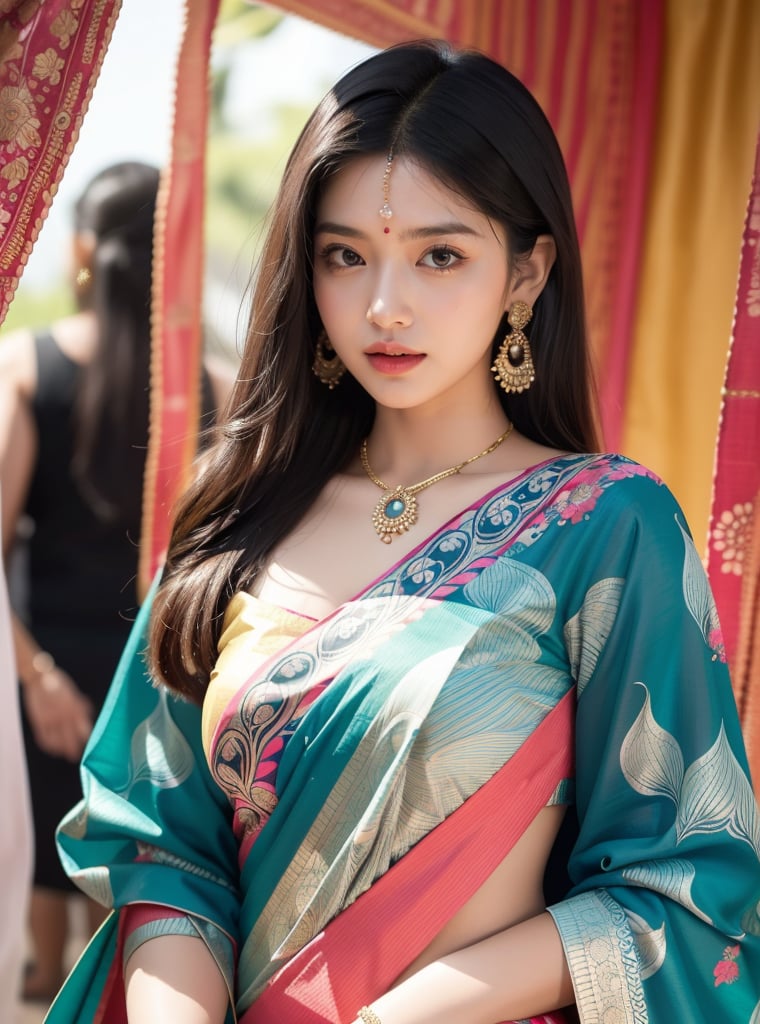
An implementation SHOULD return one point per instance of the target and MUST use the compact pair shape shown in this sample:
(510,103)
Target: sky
(130,113)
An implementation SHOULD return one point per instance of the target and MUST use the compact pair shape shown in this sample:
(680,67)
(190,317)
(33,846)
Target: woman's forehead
(360,188)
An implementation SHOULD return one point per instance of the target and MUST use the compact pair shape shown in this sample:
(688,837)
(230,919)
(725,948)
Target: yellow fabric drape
(702,171)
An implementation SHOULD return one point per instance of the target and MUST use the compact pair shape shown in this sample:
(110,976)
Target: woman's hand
(517,973)
(59,713)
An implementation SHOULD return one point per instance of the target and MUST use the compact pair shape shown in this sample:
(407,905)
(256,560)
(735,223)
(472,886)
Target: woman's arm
(517,973)
(174,978)
(60,715)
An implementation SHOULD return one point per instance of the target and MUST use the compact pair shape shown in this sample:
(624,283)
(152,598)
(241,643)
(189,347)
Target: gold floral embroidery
(18,125)
(15,172)
(48,66)
(730,536)
(64,26)
(4,218)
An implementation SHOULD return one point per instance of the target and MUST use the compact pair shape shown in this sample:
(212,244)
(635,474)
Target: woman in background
(457,742)
(72,456)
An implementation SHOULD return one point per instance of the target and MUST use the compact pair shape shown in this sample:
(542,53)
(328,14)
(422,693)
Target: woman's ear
(531,272)
(82,249)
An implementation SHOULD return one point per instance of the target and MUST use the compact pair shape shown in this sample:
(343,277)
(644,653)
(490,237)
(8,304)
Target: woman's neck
(408,445)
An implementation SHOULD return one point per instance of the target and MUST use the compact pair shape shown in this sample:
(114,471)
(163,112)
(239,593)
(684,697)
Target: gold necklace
(396,511)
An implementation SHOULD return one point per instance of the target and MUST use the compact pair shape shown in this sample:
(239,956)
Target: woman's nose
(389,306)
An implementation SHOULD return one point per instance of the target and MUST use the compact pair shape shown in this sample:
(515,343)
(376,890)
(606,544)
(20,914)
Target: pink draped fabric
(177,347)
(734,538)
(50,57)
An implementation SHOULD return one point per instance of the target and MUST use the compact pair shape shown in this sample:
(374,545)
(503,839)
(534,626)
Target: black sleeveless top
(82,569)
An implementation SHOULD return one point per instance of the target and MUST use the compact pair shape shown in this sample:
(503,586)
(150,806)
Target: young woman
(442,669)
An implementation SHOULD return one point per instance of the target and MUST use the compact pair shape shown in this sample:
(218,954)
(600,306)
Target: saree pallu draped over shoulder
(555,643)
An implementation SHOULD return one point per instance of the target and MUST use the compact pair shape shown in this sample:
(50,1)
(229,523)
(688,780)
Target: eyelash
(329,252)
(444,250)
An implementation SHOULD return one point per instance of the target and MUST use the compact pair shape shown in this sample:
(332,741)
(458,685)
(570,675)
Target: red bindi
(386,231)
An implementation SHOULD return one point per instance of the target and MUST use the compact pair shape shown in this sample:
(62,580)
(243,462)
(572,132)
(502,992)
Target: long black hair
(475,127)
(116,212)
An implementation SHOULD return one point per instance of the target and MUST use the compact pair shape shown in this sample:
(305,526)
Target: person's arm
(60,715)
(514,974)
(174,978)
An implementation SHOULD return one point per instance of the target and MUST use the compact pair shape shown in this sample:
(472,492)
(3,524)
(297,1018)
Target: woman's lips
(394,365)
(391,358)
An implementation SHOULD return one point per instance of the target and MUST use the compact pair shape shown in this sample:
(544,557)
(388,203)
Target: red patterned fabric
(734,539)
(50,56)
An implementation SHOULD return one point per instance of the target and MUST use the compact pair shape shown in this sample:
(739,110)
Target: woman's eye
(340,256)
(441,258)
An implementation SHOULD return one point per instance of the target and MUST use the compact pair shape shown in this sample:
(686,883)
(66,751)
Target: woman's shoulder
(613,487)
(626,493)
(18,363)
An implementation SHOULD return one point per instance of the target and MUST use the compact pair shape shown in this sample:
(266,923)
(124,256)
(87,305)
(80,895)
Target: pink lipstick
(392,359)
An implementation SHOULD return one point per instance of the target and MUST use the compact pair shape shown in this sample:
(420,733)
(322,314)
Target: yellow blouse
(253,630)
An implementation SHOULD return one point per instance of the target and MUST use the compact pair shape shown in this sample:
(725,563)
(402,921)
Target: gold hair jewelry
(513,366)
(396,512)
(368,1015)
(328,368)
(385,210)
(84,276)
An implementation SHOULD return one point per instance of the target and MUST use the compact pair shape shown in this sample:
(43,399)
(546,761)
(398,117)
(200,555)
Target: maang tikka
(328,367)
(385,210)
(513,366)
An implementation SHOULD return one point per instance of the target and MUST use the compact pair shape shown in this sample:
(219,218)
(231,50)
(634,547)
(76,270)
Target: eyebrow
(452,227)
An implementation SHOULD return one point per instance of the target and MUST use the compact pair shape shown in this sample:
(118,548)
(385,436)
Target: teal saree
(336,761)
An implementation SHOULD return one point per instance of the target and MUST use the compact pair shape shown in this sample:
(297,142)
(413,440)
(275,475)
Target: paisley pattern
(712,794)
(650,943)
(355,739)
(698,597)
(159,753)
(587,631)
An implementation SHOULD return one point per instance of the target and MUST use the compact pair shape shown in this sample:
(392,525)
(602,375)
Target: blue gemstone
(395,508)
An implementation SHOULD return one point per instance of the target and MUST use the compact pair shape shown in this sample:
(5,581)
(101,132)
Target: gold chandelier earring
(327,366)
(83,277)
(513,366)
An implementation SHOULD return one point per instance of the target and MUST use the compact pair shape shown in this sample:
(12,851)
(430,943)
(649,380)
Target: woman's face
(411,304)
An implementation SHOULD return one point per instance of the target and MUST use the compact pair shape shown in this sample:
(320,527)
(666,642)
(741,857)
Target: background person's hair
(116,210)
(474,126)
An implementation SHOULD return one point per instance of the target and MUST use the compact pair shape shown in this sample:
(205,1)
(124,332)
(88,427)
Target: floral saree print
(562,623)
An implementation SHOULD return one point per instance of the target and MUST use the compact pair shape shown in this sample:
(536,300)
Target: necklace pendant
(394,514)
